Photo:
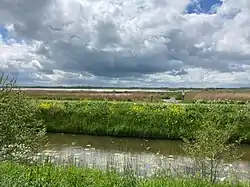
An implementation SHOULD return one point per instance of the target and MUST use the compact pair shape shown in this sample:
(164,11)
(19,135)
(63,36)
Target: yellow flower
(45,106)
(176,109)
(137,108)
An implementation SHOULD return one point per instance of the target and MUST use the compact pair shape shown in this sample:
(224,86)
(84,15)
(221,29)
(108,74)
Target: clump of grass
(29,176)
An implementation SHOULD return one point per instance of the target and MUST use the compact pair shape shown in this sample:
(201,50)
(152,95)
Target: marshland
(107,142)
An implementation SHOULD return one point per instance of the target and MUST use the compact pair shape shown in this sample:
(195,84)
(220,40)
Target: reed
(143,120)
(12,174)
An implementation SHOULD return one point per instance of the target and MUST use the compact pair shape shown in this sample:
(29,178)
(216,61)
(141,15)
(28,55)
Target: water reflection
(146,157)
(133,145)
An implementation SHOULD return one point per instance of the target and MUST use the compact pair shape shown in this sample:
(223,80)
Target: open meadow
(229,95)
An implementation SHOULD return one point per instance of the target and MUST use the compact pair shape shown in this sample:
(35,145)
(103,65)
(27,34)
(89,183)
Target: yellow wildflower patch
(137,108)
(176,109)
(45,106)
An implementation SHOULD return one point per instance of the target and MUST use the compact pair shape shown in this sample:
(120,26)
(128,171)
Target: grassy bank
(32,176)
(145,120)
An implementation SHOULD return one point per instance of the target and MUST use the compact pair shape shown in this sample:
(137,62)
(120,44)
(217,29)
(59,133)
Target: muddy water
(144,156)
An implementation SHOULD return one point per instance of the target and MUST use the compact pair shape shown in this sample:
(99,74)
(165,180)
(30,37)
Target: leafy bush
(20,132)
(211,148)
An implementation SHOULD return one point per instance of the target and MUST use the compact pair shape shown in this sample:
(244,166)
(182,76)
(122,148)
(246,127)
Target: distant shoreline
(124,89)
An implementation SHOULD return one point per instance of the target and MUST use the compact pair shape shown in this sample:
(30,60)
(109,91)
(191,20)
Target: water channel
(144,156)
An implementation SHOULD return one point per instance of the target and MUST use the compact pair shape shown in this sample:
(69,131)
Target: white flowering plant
(21,133)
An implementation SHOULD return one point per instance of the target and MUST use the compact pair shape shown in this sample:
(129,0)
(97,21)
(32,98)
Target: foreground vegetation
(32,176)
(21,133)
(214,130)
(145,120)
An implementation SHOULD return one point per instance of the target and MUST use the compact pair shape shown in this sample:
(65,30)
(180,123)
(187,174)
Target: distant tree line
(110,87)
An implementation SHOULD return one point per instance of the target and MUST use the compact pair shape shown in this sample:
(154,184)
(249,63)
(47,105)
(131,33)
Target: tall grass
(47,175)
(145,120)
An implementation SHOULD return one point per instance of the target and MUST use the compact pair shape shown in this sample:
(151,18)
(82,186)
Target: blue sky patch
(3,32)
(202,6)
(6,37)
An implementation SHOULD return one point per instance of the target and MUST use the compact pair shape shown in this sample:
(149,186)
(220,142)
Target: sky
(145,43)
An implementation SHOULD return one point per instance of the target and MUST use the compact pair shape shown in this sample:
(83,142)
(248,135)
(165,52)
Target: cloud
(139,42)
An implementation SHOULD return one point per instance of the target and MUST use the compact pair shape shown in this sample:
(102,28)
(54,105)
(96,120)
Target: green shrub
(21,133)
(211,148)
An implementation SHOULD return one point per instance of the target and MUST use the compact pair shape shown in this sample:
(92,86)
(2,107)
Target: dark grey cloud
(25,15)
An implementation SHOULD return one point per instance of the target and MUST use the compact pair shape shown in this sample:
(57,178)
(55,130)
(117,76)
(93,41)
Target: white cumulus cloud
(139,42)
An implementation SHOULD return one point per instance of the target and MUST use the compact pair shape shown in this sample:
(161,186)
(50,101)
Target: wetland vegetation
(144,120)
(210,132)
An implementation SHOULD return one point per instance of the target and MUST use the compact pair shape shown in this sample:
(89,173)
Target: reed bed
(143,120)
